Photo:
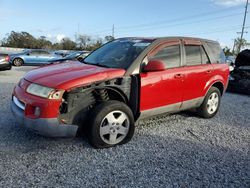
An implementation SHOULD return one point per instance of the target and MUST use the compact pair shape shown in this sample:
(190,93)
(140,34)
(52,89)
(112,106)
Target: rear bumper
(5,65)
(48,127)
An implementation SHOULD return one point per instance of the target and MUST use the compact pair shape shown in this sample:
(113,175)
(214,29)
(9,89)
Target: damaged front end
(239,80)
(78,103)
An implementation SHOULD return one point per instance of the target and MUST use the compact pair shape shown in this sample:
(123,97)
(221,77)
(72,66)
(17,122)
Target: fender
(215,79)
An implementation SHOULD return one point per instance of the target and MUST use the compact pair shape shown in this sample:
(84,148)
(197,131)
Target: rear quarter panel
(220,74)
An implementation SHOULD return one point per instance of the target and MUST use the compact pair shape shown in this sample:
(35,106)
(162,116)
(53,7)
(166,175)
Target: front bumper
(48,127)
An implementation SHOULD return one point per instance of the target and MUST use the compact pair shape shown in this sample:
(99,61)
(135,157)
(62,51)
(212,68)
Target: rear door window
(193,55)
(196,55)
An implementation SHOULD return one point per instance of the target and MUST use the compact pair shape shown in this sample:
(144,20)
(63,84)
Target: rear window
(217,52)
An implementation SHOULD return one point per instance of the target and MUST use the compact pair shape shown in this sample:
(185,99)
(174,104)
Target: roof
(169,38)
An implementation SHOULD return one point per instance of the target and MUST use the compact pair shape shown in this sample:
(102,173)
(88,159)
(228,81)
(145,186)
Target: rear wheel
(211,103)
(112,124)
(18,62)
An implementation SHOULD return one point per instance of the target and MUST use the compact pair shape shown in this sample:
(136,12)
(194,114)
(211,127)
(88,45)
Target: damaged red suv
(121,82)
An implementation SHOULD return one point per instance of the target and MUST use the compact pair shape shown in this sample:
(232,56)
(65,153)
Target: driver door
(162,91)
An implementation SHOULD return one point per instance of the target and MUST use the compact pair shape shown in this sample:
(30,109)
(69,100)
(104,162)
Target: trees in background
(239,44)
(227,51)
(20,40)
(26,40)
(82,42)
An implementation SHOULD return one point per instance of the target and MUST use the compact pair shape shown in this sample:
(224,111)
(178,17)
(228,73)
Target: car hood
(71,75)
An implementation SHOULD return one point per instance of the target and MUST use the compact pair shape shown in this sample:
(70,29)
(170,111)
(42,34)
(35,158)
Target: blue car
(77,55)
(32,57)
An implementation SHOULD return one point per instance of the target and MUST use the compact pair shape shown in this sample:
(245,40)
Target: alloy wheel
(212,103)
(114,127)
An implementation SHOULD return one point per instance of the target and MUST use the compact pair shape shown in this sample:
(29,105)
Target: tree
(239,44)
(42,42)
(109,38)
(227,51)
(83,41)
(19,40)
(95,44)
(68,44)
(26,40)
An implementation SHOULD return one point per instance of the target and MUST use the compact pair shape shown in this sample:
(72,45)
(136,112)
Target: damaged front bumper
(48,127)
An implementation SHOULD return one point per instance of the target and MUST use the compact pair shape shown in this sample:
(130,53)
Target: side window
(217,52)
(193,55)
(34,53)
(204,56)
(43,53)
(170,55)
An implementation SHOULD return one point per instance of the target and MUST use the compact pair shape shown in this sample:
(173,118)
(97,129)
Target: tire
(106,130)
(18,62)
(211,103)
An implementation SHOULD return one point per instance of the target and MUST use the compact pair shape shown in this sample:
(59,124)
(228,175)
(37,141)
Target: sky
(212,19)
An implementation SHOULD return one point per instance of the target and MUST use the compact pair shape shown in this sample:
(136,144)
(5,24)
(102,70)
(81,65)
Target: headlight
(44,92)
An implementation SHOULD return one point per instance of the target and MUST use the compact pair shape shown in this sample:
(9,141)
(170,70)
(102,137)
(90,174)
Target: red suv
(121,82)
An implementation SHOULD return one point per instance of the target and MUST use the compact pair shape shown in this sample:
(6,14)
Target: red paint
(179,84)
(59,76)
(49,108)
(73,74)
(161,88)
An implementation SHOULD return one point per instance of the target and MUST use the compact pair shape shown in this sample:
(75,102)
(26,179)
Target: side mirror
(28,54)
(154,65)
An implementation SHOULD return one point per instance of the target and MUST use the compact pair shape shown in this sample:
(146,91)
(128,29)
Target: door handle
(208,71)
(178,76)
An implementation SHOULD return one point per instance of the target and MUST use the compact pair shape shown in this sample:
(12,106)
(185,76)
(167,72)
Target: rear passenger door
(162,91)
(197,72)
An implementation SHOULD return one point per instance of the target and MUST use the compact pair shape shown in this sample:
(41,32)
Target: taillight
(7,58)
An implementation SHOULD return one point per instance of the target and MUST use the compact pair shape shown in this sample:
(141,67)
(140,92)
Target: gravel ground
(180,150)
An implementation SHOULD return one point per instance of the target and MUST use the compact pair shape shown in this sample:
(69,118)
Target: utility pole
(243,27)
(113,31)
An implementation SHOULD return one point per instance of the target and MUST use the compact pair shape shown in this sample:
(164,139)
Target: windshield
(118,54)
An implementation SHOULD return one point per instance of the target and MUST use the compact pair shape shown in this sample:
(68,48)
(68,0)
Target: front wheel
(112,124)
(211,103)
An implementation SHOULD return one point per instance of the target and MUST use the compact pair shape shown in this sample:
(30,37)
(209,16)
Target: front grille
(19,103)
